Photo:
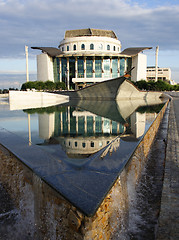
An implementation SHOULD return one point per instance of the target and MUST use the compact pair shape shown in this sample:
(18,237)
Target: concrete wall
(140,64)
(100,45)
(30,99)
(128,90)
(48,215)
(115,89)
(44,68)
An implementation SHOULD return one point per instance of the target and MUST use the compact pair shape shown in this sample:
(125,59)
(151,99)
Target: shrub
(39,85)
(156,86)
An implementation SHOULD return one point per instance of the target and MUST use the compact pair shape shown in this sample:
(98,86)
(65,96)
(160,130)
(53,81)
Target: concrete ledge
(30,99)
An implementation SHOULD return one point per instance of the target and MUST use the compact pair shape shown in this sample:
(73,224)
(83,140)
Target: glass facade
(122,66)
(80,68)
(66,124)
(64,70)
(89,68)
(56,69)
(114,68)
(72,71)
(129,64)
(98,68)
(98,62)
(106,63)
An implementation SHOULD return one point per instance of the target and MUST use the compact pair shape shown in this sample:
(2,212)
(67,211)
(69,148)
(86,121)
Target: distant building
(87,56)
(163,74)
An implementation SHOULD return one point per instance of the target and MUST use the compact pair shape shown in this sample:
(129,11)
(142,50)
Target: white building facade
(88,56)
(163,74)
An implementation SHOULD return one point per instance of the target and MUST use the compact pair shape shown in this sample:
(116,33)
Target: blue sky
(43,23)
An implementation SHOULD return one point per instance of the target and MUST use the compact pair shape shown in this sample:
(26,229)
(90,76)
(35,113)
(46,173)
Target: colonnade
(85,124)
(85,78)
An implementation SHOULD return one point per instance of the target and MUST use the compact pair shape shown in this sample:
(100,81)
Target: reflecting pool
(81,145)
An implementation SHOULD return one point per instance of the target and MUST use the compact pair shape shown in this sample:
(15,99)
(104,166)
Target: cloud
(43,23)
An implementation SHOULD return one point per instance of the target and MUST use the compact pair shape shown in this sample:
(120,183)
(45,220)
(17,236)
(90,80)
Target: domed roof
(90,32)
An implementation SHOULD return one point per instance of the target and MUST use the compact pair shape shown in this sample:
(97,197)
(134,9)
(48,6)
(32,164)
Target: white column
(118,67)
(68,75)
(61,122)
(110,67)
(76,67)
(93,67)
(30,140)
(27,64)
(125,65)
(85,123)
(84,67)
(60,69)
(102,124)
(68,119)
(102,67)
(156,63)
(76,124)
(94,125)
(110,124)
(117,128)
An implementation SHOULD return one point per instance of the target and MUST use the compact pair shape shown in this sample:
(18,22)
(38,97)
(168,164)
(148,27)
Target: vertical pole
(27,64)
(29,130)
(156,63)
(68,74)
(60,69)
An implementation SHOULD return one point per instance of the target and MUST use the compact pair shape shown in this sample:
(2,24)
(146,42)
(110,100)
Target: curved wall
(100,45)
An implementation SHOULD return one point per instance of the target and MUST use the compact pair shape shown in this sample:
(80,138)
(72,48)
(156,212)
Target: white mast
(156,63)
(27,65)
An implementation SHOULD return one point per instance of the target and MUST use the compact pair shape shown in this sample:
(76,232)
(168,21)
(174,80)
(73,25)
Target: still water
(77,136)
(79,130)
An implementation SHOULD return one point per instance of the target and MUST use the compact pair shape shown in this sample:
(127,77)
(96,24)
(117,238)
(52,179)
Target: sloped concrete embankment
(115,89)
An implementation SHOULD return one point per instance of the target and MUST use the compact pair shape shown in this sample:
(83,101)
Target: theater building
(88,56)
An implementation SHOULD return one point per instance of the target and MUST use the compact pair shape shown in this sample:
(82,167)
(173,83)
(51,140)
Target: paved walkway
(168,227)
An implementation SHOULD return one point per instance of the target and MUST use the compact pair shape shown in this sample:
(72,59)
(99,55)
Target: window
(83,145)
(114,48)
(68,48)
(98,68)
(91,46)
(82,46)
(92,144)
(108,47)
(74,47)
(76,144)
(62,48)
(89,68)
(106,63)
(80,68)
(114,67)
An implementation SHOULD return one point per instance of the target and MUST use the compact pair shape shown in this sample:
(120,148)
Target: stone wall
(47,215)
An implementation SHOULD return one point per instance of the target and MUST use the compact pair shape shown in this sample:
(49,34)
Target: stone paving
(168,224)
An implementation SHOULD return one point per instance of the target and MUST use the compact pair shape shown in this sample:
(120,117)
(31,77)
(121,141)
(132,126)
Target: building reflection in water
(82,133)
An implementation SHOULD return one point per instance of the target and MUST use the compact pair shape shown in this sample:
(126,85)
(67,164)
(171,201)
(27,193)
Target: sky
(137,23)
